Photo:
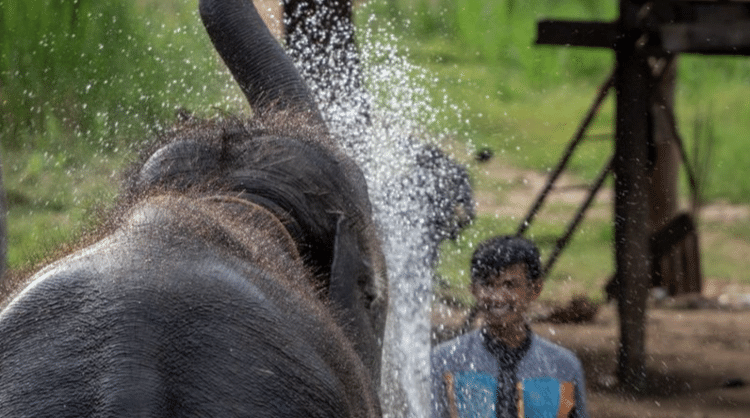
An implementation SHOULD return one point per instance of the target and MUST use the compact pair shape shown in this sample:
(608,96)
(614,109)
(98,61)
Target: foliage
(82,84)
(73,70)
(501,33)
(51,200)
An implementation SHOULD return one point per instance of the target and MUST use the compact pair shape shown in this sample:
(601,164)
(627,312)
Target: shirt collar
(505,355)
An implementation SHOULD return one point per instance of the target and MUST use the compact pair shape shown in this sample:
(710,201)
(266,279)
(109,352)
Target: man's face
(505,297)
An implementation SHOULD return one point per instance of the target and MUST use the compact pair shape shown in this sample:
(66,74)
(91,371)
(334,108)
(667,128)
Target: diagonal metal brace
(575,141)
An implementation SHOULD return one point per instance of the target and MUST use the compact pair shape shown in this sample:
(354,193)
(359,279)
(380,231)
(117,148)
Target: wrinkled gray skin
(243,276)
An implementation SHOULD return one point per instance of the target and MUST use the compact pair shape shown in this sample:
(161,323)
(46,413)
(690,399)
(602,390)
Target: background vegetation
(525,101)
(82,83)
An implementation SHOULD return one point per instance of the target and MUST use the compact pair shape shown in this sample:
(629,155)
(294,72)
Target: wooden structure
(646,38)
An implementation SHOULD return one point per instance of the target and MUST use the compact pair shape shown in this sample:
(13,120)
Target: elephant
(241,273)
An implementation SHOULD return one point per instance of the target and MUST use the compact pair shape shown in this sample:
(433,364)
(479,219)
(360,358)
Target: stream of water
(382,126)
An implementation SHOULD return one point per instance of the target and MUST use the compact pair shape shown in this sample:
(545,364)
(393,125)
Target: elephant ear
(348,293)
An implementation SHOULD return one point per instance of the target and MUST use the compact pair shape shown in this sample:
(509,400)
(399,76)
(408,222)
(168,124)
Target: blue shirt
(466,379)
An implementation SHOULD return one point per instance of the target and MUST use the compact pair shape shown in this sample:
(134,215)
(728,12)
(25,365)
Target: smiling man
(503,369)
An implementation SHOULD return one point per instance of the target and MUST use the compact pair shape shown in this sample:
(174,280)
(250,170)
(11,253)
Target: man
(503,369)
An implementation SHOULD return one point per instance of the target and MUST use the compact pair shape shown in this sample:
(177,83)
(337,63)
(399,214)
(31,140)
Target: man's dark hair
(495,254)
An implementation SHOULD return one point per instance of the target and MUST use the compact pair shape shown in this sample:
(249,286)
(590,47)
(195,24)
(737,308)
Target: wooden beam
(729,38)
(575,33)
(696,11)
(700,27)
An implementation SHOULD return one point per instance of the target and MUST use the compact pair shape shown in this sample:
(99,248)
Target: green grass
(108,72)
(714,119)
(51,200)
(727,256)
(82,85)
(584,267)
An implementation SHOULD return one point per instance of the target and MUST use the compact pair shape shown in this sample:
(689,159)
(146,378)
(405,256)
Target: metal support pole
(573,224)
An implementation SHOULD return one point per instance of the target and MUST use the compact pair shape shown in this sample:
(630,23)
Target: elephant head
(287,163)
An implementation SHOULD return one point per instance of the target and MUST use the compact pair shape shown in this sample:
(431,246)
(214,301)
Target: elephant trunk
(257,61)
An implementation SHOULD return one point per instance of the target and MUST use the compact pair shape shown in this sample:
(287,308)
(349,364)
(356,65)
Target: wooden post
(663,190)
(663,28)
(633,85)
(664,176)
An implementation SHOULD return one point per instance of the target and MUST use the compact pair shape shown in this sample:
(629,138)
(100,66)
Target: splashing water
(389,168)
(379,127)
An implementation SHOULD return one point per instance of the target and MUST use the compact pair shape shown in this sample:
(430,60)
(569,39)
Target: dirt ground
(698,363)
(698,359)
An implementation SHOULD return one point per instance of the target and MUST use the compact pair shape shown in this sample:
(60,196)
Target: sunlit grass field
(79,95)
